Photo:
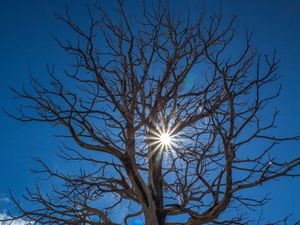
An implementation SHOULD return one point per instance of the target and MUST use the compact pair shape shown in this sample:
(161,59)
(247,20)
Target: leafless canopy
(132,78)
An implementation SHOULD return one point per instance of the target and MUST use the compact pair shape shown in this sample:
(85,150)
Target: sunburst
(163,140)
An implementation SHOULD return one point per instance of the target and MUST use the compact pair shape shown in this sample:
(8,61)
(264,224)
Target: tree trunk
(150,216)
(155,185)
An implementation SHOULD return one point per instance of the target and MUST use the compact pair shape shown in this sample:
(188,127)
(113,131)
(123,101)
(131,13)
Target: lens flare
(162,140)
(165,139)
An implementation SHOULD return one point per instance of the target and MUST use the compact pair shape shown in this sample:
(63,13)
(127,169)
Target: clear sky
(26,46)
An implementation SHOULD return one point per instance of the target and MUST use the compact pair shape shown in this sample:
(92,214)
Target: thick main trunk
(150,216)
(155,185)
(150,194)
(151,203)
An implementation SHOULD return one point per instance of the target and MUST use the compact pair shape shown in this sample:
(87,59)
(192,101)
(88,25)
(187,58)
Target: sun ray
(154,150)
(163,138)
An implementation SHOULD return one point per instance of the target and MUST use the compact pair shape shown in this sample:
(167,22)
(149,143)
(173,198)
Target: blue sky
(26,46)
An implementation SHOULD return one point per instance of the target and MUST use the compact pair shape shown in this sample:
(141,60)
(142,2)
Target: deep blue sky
(26,47)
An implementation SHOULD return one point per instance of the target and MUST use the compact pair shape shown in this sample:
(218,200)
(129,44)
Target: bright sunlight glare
(165,139)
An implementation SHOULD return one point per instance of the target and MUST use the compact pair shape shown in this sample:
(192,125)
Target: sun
(162,140)
(165,139)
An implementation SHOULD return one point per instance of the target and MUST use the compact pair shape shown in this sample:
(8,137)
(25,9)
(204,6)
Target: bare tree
(152,144)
